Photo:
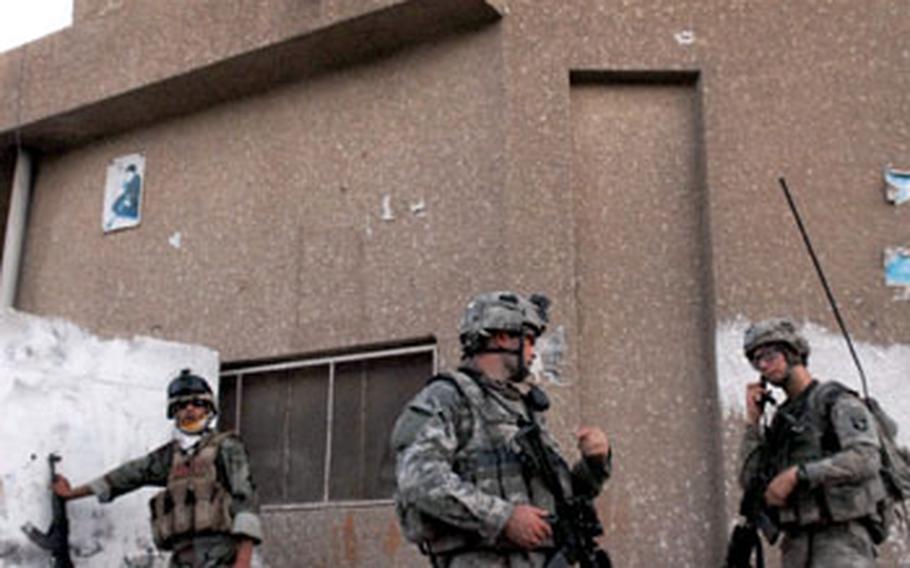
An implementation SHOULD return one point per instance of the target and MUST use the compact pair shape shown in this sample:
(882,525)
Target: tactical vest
(487,457)
(810,436)
(194,501)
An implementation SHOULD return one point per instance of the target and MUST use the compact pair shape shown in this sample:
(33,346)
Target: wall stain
(392,541)
(350,540)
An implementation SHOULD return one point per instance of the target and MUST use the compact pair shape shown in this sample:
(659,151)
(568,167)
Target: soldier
(819,457)
(208,512)
(465,492)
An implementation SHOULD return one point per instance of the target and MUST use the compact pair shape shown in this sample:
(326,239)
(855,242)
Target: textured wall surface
(312,217)
(653,388)
(328,174)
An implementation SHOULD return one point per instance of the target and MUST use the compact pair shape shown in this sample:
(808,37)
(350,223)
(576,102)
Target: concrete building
(327,182)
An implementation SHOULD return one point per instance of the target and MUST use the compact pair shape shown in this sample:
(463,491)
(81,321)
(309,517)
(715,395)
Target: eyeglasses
(764,355)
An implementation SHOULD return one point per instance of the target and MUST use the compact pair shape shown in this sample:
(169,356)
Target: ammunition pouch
(192,515)
(194,502)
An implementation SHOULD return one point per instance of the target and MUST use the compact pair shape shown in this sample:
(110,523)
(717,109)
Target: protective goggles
(764,355)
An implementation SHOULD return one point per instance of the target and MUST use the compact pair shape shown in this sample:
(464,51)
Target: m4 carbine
(575,524)
(759,517)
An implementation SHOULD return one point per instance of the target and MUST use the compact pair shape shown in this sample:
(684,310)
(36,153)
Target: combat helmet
(775,330)
(501,311)
(187,386)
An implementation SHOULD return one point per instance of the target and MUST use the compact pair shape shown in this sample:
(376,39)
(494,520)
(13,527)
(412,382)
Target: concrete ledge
(86,114)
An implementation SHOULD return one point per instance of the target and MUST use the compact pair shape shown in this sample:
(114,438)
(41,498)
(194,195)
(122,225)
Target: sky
(22,21)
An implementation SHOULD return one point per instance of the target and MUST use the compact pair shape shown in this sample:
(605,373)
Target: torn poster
(897,185)
(897,266)
(123,193)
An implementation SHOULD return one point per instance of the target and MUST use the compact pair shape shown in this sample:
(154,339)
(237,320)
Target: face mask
(197,426)
(193,427)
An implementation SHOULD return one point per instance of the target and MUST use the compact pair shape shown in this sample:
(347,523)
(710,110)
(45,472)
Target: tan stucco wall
(277,191)
(278,200)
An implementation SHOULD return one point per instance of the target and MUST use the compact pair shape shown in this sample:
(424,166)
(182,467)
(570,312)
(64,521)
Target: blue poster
(897,266)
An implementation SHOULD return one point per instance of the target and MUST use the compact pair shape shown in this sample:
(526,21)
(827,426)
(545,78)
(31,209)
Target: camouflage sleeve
(425,441)
(235,464)
(589,475)
(858,457)
(750,450)
(151,469)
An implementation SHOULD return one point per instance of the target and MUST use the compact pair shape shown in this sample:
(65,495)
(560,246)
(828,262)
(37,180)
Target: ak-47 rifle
(575,524)
(56,539)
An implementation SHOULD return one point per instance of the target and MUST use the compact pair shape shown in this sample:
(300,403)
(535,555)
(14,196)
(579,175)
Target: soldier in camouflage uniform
(819,457)
(208,513)
(463,494)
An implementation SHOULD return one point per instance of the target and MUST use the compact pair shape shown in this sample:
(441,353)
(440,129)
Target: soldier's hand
(781,487)
(527,527)
(61,487)
(592,442)
(754,393)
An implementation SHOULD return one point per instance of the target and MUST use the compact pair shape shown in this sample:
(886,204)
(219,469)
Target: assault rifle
(575,524)
(758,516)
(56,539)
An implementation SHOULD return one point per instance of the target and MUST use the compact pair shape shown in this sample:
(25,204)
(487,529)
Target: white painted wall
(97,402)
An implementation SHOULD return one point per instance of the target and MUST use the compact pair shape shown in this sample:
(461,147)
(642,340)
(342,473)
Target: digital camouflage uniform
(460,474)
(831,434)
(208,550)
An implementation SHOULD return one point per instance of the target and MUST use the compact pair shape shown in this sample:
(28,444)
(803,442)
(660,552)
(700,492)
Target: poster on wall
(123,188)
(897,266)
(897,185)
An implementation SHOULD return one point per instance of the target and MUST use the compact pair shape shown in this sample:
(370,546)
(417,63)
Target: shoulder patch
(860,423)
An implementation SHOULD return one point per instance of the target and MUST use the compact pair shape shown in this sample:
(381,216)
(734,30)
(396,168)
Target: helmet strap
(792,360)
(523,371)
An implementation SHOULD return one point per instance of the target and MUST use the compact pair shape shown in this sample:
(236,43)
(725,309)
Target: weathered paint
(897,185)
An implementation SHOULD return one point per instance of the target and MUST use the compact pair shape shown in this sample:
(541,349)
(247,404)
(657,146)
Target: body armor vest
(805,434)
(488,457)
(194,501)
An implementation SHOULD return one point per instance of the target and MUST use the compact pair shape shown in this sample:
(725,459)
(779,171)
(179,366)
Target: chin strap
(523,370)
(789,378)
